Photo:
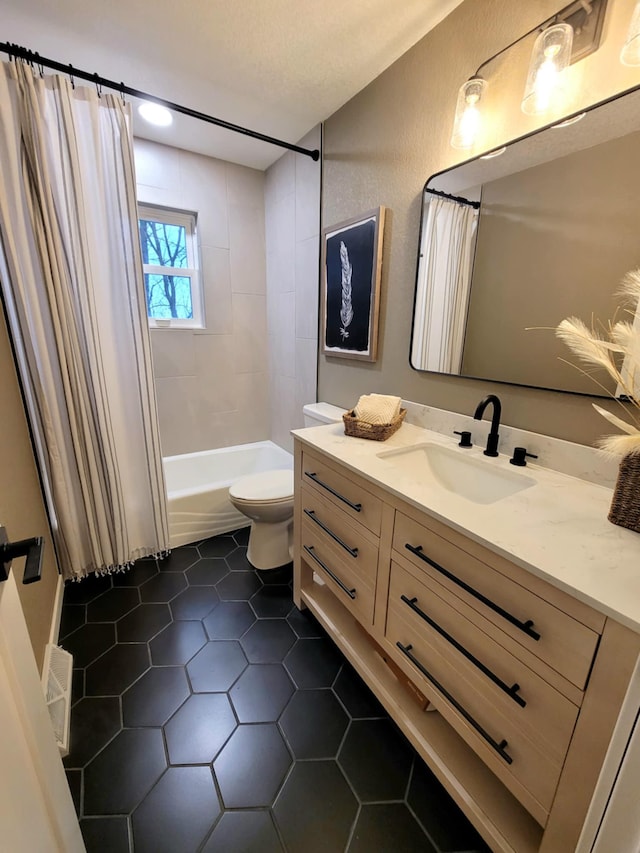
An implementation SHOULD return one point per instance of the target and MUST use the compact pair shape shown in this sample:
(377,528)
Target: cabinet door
(346,491)
(553,636)
(344,555)
(540,712)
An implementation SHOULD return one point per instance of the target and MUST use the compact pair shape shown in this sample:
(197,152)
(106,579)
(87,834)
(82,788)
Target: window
(170,262)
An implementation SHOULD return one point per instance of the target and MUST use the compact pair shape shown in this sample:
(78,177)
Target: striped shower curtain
(71,275)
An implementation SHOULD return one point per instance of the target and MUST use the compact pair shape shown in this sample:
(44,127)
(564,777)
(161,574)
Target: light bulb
(551,55)
(468,118)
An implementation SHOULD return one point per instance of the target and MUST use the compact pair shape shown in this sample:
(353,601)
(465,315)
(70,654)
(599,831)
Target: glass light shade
(468,120)
(630,53)
(551,56)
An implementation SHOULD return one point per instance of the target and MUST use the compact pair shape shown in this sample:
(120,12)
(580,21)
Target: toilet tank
(316,414)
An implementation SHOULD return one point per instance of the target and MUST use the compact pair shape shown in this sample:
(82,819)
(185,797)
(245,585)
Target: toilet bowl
(267,499)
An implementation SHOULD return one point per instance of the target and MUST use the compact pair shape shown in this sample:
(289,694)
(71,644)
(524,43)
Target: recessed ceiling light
(155,114)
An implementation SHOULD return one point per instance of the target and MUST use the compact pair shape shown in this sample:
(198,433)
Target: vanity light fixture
(155,114)
(551,55)
(570,35)
(468,118)
(630,53)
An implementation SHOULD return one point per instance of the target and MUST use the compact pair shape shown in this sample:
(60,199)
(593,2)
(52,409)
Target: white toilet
(267,499)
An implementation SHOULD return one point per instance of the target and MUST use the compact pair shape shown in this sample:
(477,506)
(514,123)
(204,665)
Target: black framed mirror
(513,242)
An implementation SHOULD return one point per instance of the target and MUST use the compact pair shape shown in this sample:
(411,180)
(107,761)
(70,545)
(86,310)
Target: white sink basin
(473,477)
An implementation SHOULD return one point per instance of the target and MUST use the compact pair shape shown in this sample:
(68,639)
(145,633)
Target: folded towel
(377,408)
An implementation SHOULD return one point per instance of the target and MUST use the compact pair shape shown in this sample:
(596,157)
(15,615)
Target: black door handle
(32,549)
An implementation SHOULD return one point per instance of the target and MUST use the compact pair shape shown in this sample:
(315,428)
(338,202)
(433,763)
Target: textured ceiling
(277,66)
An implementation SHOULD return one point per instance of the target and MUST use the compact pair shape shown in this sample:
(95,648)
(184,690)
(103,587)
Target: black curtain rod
(18,52)
(458,198)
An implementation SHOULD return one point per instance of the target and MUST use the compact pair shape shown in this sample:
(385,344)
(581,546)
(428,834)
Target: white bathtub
(197,486)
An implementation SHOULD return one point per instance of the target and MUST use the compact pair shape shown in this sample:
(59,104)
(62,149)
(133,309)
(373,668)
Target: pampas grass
(616,349)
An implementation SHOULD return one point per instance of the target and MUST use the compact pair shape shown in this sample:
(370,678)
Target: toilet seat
(270,487)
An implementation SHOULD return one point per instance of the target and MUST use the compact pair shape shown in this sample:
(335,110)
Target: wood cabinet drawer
(566,645)
(350,576)
(541,712)
(521,762)
(347,493)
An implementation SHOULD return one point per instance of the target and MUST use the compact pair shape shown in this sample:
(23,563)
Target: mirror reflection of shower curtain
(444,284)
(71,275)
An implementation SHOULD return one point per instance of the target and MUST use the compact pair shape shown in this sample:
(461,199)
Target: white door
(36,810)
(620,828)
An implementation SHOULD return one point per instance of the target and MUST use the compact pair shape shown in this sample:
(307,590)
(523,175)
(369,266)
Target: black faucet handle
(519,457)
(465,438)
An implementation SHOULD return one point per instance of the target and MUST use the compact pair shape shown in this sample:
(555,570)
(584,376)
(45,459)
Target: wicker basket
(376,432)
(625,506)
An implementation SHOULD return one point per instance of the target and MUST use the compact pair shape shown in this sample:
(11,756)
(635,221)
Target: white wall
(212,383)
(292,210)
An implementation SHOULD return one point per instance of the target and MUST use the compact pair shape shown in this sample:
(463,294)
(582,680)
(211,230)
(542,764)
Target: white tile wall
(307,292)
(212,383)
(216,282)
(173,353)
(246,376)
(292,205)
(247,247)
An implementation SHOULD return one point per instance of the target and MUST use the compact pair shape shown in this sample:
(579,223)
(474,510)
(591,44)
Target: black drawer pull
(510,691)
(527,626)
(316,479)
(350,592)
(312,515)
(500,748)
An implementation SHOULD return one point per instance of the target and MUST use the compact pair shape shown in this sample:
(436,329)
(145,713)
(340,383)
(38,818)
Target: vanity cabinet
(340,524)
(524,682)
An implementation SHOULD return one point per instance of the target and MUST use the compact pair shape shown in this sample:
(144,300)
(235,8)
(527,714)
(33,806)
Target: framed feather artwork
(351,266)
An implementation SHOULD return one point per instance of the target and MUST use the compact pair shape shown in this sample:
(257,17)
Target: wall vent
(56,683)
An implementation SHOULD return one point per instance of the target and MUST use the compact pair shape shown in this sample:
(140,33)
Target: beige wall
(212,383)
(22,509)
(382,146)
(292,210)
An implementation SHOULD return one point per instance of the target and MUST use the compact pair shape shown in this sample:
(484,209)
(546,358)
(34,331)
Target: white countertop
(557,529)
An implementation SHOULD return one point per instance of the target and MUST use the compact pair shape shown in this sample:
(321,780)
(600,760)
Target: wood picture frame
(350,289)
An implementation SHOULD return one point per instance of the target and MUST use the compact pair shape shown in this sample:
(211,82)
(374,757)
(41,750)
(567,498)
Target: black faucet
(492,438)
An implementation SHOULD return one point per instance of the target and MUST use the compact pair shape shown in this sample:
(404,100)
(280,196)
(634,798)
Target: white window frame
(188,221)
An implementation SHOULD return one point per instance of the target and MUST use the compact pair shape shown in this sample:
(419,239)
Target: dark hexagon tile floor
(261,693)
(216,666)
(209,715)
(314,724)
(117,669)
(199,729)
(143,623)
(207,572)
(178,812)
(113,604)
(252,765)
(177,643)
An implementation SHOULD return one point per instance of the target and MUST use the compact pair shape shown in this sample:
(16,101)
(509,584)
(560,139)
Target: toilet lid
(267,486)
